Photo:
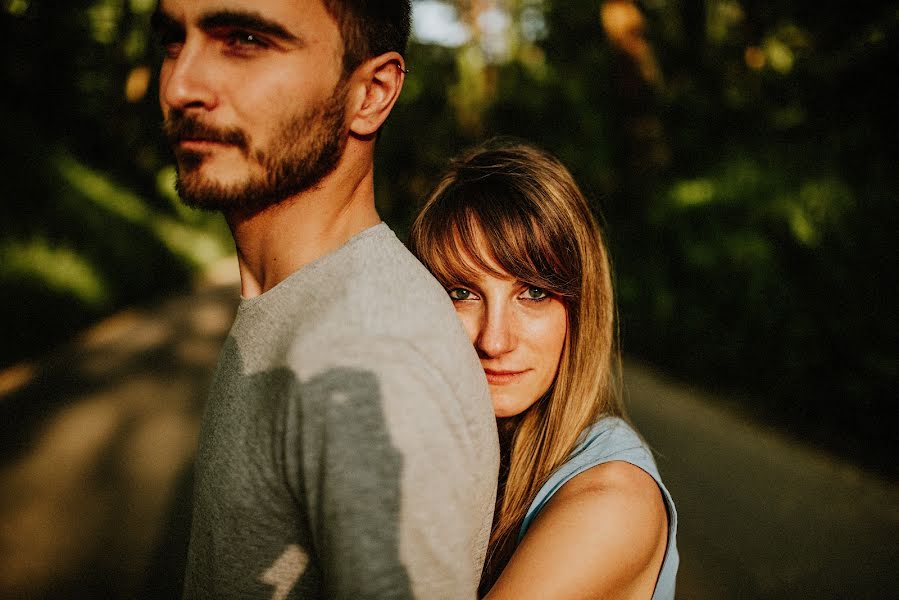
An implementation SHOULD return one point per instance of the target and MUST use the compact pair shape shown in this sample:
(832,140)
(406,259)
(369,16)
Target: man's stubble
(307,147)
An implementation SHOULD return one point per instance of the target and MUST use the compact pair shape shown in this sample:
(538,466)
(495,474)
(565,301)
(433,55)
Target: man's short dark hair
(370,28)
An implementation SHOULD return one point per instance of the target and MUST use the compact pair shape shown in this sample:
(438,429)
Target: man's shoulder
(372,308)
(381,289)
(381,257)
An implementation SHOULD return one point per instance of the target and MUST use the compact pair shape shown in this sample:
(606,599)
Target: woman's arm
(602,535)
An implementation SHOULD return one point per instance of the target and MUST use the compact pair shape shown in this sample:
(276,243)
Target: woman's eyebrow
(462,280)
(249,20)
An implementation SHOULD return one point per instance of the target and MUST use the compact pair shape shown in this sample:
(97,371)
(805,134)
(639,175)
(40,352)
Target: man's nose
(188,80)
(497,335)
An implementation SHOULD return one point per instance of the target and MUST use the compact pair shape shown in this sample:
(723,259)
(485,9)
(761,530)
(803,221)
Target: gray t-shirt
(348,446)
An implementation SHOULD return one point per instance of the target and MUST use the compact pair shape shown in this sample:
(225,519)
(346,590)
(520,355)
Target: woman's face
(518,331)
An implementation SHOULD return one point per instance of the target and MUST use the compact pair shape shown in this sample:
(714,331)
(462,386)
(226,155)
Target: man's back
(348,447)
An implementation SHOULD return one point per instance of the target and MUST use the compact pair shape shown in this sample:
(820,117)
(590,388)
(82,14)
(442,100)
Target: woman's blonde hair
(522,208)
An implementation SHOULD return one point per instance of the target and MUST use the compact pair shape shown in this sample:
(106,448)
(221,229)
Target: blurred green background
(738,153)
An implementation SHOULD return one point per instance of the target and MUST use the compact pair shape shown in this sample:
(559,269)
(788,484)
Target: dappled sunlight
(486,36)
(819,207)
(435,22)
(737,152)
(197,246)
(625,27)
(99,361)
(16,377)
(222,272)
(209,319)
(77,243)
(185,241)
(111,329)
(693,192)
(137,84)
(196,352)
(17,7)
(778,55)
(808,208)
(55,267)
(104,18)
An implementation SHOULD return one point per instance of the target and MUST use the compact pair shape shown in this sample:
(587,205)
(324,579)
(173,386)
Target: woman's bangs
(474,231)
(515,246)
(452,247)
(525,246)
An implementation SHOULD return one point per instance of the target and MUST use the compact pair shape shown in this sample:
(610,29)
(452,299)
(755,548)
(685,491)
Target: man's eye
(535,293)
(459,294)
(244,39)
(170,43)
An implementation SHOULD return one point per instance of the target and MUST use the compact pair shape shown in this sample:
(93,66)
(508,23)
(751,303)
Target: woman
(581,510)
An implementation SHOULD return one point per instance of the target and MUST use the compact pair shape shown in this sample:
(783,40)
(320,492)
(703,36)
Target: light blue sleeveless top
(607,440)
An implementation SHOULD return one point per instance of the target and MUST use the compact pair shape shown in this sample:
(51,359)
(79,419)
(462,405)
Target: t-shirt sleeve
(395,489)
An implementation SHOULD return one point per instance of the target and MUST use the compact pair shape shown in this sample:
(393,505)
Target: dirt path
(762,515)
(98,439)
(95,454)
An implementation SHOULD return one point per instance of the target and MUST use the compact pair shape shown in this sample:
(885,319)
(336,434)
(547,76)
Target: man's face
(253,98)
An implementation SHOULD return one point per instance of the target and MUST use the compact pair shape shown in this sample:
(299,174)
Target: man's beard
(306,149)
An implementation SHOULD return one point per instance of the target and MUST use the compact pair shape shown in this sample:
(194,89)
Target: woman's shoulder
(613,509)
(614,499)
(608,440)
(611,471)
(610,436)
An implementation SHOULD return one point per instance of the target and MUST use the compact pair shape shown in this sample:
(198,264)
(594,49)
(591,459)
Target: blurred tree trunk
(475,88)
(693,14)
(636,84)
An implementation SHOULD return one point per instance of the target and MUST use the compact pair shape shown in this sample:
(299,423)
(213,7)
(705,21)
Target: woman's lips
(502,377)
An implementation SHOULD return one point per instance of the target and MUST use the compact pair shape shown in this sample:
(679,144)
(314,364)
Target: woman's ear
(379,81)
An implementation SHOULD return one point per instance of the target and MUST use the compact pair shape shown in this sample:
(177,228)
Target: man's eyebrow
(249,20)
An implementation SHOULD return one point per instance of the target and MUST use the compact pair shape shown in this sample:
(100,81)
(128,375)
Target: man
(348,448)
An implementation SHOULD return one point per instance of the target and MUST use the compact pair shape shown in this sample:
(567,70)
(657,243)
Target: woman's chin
(504,409)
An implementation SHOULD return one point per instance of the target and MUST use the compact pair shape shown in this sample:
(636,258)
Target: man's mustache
(178,127)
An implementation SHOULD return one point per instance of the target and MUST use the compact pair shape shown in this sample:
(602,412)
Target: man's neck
(277,241)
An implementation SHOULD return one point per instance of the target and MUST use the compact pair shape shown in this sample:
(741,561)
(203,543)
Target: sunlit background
(740,154)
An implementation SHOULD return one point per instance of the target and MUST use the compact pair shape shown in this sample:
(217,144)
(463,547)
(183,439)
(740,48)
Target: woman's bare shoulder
(615,477)
(603,534)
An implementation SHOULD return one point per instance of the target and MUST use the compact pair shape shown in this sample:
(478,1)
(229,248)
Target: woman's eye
(459,294)
(535,293)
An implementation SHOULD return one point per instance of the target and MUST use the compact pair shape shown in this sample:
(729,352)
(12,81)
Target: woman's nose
(497,335)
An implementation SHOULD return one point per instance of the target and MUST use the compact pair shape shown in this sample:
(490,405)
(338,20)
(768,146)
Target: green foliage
(748,191)
(754,264)
(87,221)
(76,245)
(749,196)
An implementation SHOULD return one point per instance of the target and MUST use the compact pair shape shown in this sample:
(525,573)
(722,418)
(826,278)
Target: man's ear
(378,82)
